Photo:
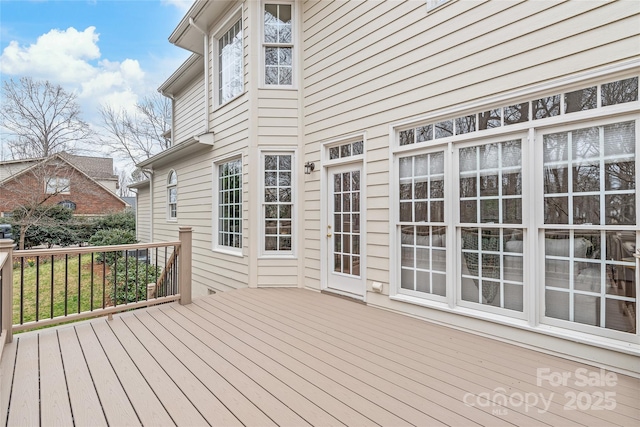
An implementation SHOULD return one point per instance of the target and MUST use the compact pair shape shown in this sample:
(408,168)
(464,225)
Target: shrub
(126,276)
(125,220)
(112,237)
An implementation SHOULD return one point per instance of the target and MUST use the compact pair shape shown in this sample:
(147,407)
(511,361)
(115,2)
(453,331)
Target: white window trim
(534,319)
(292,254)
(294,46)
(435,4)
(220,31)
(238,252)
(169,187)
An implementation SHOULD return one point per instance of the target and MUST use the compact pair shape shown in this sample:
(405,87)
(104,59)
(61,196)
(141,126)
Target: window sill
(225,251)
(172,220)
(278,256)
(230,101)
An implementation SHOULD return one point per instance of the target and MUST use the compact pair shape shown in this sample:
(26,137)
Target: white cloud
(72,59)
(58,55)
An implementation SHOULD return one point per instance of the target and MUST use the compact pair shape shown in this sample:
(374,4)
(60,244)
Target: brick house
(85,184)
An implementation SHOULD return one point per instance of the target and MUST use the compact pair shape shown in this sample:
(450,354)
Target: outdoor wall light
(309,167)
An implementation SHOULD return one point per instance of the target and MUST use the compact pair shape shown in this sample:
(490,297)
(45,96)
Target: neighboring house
(470,163)
(85,184)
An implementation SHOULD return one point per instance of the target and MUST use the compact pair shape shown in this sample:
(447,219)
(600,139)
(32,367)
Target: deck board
(7,364)
(211,409)
(291,357)
(85,403)
(251,386)
(25,395)
(182,410)
(146,403)
(56,409)
(436,360)
(115,401)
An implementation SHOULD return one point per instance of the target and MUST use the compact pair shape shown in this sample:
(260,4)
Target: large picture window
(56,185)
(540,219)
(278,44)
(230,57)
(278,203)
(229,188)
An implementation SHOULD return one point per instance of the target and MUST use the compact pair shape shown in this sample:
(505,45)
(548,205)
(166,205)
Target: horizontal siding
(368,65)
(143,224)
(278,117)
(189,114)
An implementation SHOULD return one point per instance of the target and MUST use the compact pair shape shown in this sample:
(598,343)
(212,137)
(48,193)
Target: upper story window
(172,195)
(57,185)
(230,57)
(278,44)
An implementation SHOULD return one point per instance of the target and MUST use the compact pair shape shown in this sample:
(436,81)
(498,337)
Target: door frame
(325,191)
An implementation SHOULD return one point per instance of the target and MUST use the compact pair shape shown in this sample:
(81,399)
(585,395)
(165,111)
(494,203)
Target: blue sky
(107,51)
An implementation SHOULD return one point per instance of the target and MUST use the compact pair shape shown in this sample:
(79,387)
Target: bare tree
(140,135)
(42,118)
(124,179)
(33,193)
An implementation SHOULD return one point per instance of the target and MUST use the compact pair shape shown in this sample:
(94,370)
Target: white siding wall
(230,125)
(143,225)
(370,64)
(189,111)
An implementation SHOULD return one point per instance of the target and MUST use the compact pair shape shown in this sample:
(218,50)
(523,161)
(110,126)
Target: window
(68,204)
(278,203)
(57,185)
(589,177)
(278,44)
(230,57)
(422,235)
(172,195)
(229,188)
(545,221)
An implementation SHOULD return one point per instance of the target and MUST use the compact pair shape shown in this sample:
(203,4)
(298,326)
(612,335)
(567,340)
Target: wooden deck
(289,357)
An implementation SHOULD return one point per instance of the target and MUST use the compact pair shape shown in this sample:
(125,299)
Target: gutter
(206,74)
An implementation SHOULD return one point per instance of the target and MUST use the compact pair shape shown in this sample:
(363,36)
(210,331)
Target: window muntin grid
(616,92)
(346,150)
(230,204)
(589,175)
(421,204)
(230,56)
(278,44)
(589,188)
(172,195)
(490,183)
(278,202)
(346,222)
(423,259)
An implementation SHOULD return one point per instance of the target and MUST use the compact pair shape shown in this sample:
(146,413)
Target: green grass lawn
(31,282)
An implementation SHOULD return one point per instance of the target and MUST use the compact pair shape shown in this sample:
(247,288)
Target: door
(344,230)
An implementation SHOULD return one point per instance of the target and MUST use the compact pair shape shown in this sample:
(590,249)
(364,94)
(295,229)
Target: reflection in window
(580,100)
(278,44)
(346,222)
(278,202)
(57,185)
(68,204)
(347,150)
(620,92)
(516,113)
(230,56)
(582,183)
(546,107)
(230,204)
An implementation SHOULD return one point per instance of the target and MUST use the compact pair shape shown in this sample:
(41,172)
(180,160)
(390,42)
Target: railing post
(6,245)
(184,264)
